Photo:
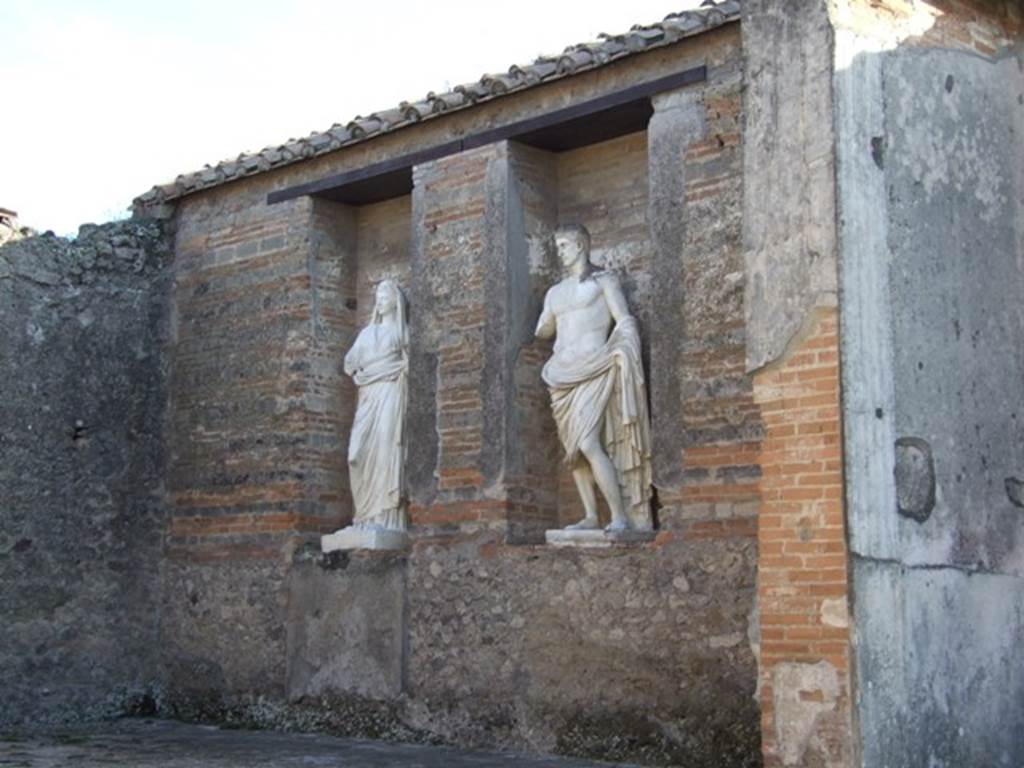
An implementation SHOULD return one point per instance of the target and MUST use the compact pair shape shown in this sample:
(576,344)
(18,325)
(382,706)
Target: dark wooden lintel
(579,125)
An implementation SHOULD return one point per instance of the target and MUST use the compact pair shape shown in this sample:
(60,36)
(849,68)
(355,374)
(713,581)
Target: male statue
(597,387)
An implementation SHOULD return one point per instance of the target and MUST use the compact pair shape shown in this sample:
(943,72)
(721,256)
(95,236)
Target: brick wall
(717,498)
(383,239)
(268,300)
(802,567)
(240,420)
(985,27)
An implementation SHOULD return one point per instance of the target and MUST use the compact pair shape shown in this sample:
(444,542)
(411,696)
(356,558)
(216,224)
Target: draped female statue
(378,363)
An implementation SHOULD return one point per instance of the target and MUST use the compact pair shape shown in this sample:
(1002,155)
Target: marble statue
(598,395)
(379,365)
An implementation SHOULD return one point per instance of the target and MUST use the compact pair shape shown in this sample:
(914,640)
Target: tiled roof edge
(574,60)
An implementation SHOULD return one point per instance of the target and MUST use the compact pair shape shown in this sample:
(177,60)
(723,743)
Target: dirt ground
(165,744)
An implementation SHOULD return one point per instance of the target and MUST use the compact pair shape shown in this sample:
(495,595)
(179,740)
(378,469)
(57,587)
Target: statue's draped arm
(352,358)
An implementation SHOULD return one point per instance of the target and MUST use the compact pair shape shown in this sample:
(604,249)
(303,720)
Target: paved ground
(165,744)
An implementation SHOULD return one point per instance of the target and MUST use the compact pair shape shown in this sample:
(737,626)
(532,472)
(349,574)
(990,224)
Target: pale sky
(102,99)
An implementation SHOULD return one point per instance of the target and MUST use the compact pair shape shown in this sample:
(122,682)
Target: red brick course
(984,27)
(801,530)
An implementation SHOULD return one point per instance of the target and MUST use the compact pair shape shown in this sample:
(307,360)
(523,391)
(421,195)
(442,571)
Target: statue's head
(387,300)
(386,297)
(572,241)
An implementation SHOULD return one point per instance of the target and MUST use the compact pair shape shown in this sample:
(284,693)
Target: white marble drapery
(378,364)
(605,390)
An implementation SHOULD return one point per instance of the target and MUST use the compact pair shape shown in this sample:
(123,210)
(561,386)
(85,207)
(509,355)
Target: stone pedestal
(364,538)
(597,538)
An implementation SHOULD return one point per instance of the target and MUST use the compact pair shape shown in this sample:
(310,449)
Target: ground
(152,743)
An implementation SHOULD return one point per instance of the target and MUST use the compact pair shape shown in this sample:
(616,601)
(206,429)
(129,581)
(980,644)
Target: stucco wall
(929,150)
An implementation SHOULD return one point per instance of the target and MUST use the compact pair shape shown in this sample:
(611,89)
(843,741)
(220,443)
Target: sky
(104,99)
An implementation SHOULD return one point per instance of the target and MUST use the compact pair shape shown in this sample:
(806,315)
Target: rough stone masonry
(819,229)
(82,434)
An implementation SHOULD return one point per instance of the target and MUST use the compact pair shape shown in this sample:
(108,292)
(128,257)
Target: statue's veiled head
(389,302)
(386,298)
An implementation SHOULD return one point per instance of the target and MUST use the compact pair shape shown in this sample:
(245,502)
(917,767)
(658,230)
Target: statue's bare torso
(580,311)
(582,319)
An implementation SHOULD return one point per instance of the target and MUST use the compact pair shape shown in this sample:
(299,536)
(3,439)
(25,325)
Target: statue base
(597,538)
(364,538)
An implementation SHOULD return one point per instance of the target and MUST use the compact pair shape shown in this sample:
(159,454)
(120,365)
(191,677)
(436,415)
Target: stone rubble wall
(611,654)
(635,654)
(11,229)
(83,371)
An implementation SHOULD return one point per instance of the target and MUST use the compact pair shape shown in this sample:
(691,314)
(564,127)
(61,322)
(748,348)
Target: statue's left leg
(607,479)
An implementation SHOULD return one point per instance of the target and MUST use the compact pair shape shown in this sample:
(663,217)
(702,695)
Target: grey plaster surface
(956,283)
(788,171)
(677,122)
(938,666)
(167,744)
(933,358)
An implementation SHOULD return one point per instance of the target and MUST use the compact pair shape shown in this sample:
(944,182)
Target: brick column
(452,481)
(803,577)
(483,449)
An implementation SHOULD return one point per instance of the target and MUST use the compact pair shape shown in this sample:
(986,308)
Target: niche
(603,186)
(355,247)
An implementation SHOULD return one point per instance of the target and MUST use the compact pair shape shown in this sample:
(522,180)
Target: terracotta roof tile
(575,59)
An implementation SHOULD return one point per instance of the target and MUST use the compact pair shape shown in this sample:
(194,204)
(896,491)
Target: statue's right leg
(585,485)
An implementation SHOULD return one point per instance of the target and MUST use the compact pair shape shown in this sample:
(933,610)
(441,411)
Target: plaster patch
(726,641)
(835,612)
(803,693)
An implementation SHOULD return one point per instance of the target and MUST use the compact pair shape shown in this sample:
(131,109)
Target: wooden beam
(551,130)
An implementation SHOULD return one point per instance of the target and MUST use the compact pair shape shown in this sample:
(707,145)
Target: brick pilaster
(450,206)
(803,581)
